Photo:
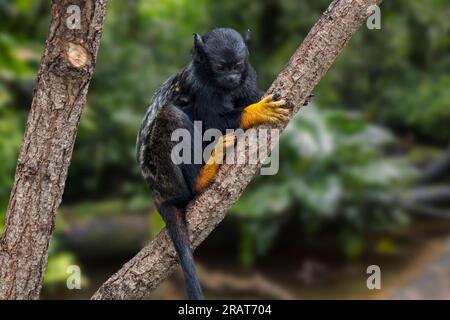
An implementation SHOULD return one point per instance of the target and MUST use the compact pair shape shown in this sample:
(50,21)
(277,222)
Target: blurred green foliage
(338,172)
(332,161)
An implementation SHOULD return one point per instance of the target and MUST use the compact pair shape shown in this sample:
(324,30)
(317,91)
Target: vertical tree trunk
(60,92)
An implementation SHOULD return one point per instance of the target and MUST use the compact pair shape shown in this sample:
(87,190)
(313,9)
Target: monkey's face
(224,53)
(229,74)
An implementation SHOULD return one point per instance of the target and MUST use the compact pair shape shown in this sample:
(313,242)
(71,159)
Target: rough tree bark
(308,65)
(60,92)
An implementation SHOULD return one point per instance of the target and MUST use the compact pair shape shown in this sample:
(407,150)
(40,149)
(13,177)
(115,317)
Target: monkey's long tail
(175,219)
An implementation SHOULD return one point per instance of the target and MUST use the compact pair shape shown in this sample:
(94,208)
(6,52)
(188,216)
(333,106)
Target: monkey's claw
(268,110)
(271,111)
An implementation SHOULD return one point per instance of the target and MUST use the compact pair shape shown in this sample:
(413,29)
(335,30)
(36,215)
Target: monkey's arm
(268,110)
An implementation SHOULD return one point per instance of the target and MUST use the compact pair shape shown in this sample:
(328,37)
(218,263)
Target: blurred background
(364,173)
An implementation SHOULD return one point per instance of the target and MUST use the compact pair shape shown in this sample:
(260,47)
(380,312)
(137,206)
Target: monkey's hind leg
(209,170)
(172,183)
(268,110)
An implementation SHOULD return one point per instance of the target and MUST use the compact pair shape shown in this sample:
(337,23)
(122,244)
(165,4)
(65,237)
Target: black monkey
(218,87)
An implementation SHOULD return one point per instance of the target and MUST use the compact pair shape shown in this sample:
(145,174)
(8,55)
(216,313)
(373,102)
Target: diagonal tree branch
(60,93)
(308,65)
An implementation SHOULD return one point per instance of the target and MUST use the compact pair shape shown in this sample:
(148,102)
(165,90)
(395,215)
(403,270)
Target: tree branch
(308,65)
(60,92)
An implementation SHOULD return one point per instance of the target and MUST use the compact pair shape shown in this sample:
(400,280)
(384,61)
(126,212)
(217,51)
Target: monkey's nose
(233,79)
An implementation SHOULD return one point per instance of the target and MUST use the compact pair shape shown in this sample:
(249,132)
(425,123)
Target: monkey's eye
(238,66)
(219,67)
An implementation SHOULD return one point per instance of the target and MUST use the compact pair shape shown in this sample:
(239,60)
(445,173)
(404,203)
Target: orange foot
(209,170)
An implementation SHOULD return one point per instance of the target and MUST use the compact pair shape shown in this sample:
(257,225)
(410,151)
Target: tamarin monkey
(218,87)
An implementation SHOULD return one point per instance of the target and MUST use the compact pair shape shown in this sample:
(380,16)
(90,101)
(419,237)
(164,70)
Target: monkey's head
(222,54)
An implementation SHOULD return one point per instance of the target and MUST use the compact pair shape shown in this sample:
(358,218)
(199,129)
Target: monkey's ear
(199,47)
(247,36)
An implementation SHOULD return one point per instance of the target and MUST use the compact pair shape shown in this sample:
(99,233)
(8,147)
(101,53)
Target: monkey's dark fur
(213,88)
